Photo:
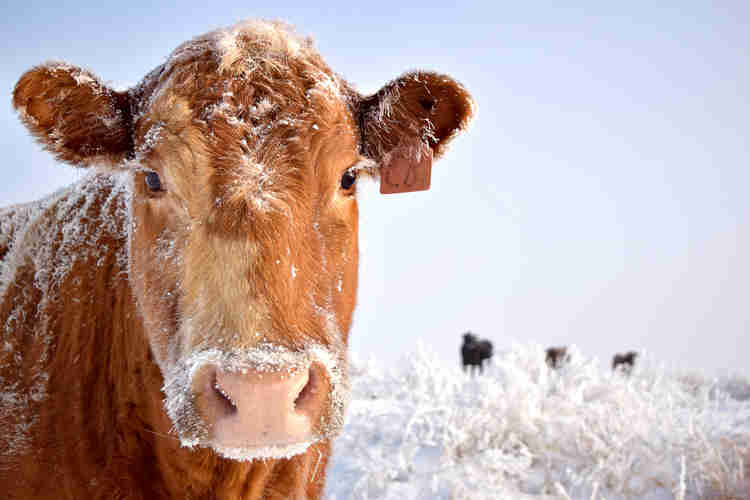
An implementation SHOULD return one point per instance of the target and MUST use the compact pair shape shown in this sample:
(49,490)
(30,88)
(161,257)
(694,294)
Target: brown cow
(557,357)
(624,362)
(474,352)
(175,324)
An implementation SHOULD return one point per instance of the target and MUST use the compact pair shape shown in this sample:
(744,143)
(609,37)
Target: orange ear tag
(404,174)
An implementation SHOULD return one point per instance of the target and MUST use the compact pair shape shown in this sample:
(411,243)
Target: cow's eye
(348,179)
(153,182)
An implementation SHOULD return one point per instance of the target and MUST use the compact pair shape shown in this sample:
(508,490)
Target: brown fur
(74,121)
(252,241)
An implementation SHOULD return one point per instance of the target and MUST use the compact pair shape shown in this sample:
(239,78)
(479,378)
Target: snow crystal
(80,229)
(366,166)
(150,139)
(251,453)
(258,178)
(326,86)
(14,406)
(262,108)
(165,246)
(83,79)
(275,37)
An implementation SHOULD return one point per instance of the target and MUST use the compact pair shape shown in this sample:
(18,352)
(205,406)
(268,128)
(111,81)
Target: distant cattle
(556,357)
(474,352)
(175,324)
(624,362)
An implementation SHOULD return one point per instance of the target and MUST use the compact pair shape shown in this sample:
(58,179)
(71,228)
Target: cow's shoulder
(52,251)
(87,219)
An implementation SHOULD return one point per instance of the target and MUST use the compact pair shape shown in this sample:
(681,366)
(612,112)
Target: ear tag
(404,174)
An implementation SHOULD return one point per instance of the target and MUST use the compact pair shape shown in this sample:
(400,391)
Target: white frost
(425,429)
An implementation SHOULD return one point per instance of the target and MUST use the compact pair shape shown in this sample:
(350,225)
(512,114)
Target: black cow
(624,362)
(474,351)
(557,357)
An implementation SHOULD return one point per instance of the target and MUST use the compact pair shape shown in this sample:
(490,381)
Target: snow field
(425,430)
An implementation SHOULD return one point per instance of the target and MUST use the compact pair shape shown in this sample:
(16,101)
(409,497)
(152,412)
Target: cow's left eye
(153,182)
(348,179)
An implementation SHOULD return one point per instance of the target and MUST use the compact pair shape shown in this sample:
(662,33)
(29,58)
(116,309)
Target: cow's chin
(265,402)
(268,451)
(262,446)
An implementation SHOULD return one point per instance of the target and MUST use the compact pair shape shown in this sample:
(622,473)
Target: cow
(557,357)
(624,363)
(474,352)
(175,324)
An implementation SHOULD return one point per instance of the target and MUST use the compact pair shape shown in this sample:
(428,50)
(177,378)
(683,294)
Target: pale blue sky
(598,199)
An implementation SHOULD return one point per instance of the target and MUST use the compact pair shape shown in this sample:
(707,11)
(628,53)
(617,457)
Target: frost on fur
(73,115)
(50,247)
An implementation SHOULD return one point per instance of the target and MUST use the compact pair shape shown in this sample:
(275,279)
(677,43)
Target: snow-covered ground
(425,430)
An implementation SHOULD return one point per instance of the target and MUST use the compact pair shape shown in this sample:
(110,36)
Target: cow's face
(245,151)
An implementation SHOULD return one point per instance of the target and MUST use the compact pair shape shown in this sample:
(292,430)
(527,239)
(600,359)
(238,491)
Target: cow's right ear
(74,115)
(409,122)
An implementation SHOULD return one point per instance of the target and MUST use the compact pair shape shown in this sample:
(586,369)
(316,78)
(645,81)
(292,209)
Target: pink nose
(254,408)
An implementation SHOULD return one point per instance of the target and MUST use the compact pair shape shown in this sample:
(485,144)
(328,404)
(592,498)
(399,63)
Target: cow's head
(244,149)
(470,338)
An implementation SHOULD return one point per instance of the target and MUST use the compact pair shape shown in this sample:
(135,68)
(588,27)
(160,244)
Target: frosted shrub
(521,430)
(736,387)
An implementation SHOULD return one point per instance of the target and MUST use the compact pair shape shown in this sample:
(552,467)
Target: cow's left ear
(74,115)
(417,110)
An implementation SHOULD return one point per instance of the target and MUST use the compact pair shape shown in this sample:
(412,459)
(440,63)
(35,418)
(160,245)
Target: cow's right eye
(153,182)
(348,179)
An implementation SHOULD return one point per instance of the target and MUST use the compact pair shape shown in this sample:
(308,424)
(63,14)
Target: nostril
(225,399)
(306,397)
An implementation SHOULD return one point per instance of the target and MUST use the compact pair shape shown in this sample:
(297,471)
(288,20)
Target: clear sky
(600,198)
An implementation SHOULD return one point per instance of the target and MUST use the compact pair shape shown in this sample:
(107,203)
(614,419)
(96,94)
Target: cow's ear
(74,115)
(419,109)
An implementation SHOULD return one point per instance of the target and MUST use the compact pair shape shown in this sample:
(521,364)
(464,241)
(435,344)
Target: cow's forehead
(254,103)
(248,47)
(268,59)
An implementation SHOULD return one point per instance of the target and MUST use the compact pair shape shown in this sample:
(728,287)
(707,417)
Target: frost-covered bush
(736,387)
(427,430)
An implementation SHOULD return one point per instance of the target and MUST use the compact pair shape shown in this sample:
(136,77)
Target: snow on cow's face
(244,244)
(245,151)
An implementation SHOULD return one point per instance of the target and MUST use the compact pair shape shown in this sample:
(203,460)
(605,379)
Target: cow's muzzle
(250,408)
